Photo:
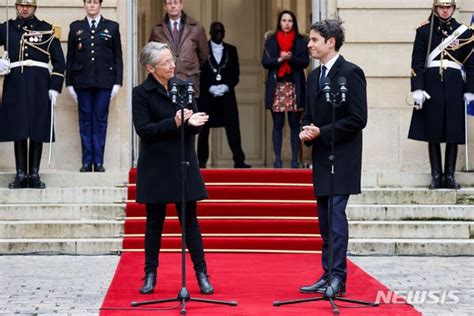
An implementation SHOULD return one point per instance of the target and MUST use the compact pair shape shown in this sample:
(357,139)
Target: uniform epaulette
(424,23)
(57,31)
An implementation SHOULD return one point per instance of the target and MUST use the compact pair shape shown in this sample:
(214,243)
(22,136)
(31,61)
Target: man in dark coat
(219,76)
(35,78)
(94,70)
(442,80)
(186,38)
(326,38)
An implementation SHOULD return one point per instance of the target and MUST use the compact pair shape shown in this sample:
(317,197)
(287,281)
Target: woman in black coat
(157,121)
(285,57)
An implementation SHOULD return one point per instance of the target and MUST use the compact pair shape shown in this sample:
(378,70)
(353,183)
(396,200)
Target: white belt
(29,63)
(446,64)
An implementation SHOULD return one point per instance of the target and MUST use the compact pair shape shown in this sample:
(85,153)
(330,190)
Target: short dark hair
(215,24)
(293,17)
(330,28)
(100,1)
(164,1)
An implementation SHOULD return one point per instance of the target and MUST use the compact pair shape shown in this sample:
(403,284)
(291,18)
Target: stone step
(77,195)
(410,212)
(357,229)
(73,246)
(26,212)
(369,212)
(411,229)
(411,247)
(409,179)
(74,179)
(60,229)
(412,196)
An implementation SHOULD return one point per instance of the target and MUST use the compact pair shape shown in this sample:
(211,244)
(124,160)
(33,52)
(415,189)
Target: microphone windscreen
(342,81)
(327,81)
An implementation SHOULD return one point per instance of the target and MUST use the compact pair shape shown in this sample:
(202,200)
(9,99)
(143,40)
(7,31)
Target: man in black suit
(94,69)
(219,76)
(326,38)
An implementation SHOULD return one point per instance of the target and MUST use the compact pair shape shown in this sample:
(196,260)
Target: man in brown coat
(186,38)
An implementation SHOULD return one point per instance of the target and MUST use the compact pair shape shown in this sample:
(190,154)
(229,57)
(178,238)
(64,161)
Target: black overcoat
(26,109)
(159,162)
(298,62)
(351,118)
(442,117)
(221,110)
(94,57)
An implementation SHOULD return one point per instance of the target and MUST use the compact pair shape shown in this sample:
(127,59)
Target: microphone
(190,92)
(327,89)
(342,89)
(174,91)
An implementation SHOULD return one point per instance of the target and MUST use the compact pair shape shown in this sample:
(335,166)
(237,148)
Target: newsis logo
(418,297)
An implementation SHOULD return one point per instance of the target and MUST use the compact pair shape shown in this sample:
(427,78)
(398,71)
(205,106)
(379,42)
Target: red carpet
(256,210)
(254,280)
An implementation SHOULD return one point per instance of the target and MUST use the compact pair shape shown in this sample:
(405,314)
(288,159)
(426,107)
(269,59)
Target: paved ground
(76,285)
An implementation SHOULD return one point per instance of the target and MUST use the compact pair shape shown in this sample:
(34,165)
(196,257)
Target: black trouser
(277,133)
(155,218)
(340,231)
(232,132)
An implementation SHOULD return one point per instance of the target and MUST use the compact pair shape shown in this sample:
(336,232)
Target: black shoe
(242,165)
(35,182)
(149,283)
(20,182)
(450,182)
(86,168)
(436,183)
(99,168)
(277,164)
(202,165)
(318,287)
(295,164)
(204,283)
(337,288)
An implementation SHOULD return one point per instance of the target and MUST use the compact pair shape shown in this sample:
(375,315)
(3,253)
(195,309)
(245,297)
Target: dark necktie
(175,34)
(93,25)
(323,76)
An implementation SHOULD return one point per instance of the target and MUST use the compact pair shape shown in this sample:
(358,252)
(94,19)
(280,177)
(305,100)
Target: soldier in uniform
(94,72)
(442,81)
(35,78)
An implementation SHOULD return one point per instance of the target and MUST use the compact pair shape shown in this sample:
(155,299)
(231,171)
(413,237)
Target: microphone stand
(331,99)
(183,295)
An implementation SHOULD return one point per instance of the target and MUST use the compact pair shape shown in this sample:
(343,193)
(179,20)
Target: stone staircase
(412,221)
(83,214)
(78,213)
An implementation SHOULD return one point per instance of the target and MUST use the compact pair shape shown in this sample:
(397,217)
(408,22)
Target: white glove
(72,92)
(4,66)
(419,96)
(468,97)
(223,88)
(115,90)
(214,90)
(53,95)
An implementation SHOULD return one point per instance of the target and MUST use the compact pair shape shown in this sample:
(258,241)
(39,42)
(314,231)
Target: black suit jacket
(159,162)
(220,108)
(94,59)
(351,118)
